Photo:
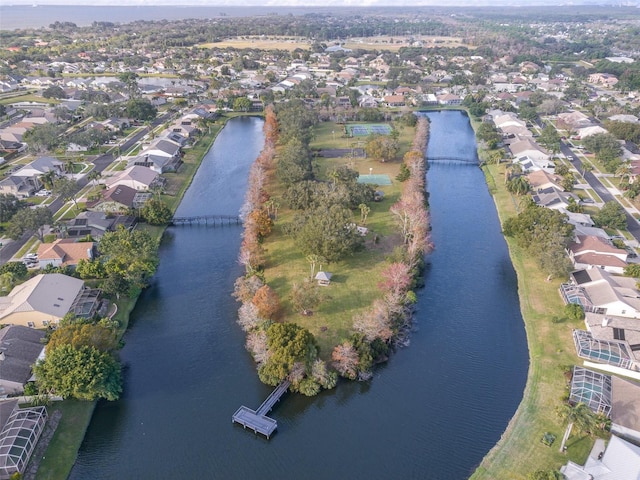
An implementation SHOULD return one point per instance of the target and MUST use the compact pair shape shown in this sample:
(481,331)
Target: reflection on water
(432,412)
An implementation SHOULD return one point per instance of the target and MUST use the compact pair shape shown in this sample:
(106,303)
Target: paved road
(7,252)
(632,224)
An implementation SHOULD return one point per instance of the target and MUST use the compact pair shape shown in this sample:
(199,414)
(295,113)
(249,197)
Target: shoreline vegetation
(517,452)
(295,329)
(520,450)
(62,451)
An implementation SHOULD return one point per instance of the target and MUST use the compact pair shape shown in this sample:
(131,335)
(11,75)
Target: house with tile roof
(591,251)
(64,252)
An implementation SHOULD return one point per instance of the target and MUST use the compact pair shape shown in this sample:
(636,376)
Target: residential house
(581,219)
(449,99)
(531,156)
(64,252)
(136,177)
(119,199)
(21,187)
(624,332)
(605,79)
(624,118)
(554,199)
(44,300)
(625,410)
(96,224)
(517,133)
(607,293)
(591,251)
(588,131)
(508,119)
(40,166)
(620,460)
(574,119)
(20,348)
(394,101)
(541,180)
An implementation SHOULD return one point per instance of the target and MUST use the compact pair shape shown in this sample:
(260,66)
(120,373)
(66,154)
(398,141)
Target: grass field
(28,97)
(262,43)
(395,43)
(354,283)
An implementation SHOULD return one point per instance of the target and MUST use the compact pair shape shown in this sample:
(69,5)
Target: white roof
(326,276)
(52,294)
(588,131)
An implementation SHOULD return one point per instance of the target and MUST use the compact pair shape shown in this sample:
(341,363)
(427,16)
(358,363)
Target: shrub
(573,311)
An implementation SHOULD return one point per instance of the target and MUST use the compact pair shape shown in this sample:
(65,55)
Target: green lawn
(354,284)
(519,451)
(28,97)
(63,448)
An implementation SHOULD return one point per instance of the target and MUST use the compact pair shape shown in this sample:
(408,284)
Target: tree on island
(324,231)
(287,344)
(305,296)
(381,147)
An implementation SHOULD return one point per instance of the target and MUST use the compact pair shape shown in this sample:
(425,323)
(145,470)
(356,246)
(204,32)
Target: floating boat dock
(257,420)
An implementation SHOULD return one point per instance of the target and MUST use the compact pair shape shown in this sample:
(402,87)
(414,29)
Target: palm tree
(518,185)
(586,167)
(93,176)
(364,212)
(48,178)
(313,261)
(624,171)
(578,415)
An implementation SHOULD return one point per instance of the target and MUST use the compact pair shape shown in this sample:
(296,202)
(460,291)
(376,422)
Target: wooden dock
(212,220)
(257,420)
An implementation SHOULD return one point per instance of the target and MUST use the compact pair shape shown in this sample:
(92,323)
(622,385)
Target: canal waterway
(432,412)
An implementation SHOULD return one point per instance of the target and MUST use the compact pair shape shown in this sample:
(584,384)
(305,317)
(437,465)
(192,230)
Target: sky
(311,3)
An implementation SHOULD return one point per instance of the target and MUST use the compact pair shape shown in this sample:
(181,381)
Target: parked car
(43,193)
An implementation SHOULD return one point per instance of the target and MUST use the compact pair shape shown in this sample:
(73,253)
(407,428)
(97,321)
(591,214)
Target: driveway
(632,224)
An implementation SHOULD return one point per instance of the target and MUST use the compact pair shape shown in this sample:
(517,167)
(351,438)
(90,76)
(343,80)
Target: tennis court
(375,179)
(363,130)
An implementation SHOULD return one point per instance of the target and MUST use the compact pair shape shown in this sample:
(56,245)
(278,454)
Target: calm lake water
(432,412)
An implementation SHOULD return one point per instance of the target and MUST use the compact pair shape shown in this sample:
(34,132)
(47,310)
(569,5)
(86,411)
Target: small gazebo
(323,278)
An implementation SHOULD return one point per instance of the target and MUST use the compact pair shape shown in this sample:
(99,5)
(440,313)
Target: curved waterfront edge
(519,451)
(62,451)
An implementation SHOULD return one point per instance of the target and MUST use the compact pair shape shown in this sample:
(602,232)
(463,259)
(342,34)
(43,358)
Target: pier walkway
(257,420)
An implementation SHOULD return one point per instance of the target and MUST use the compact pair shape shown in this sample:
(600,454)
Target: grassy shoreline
(62,451)
(519,451)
